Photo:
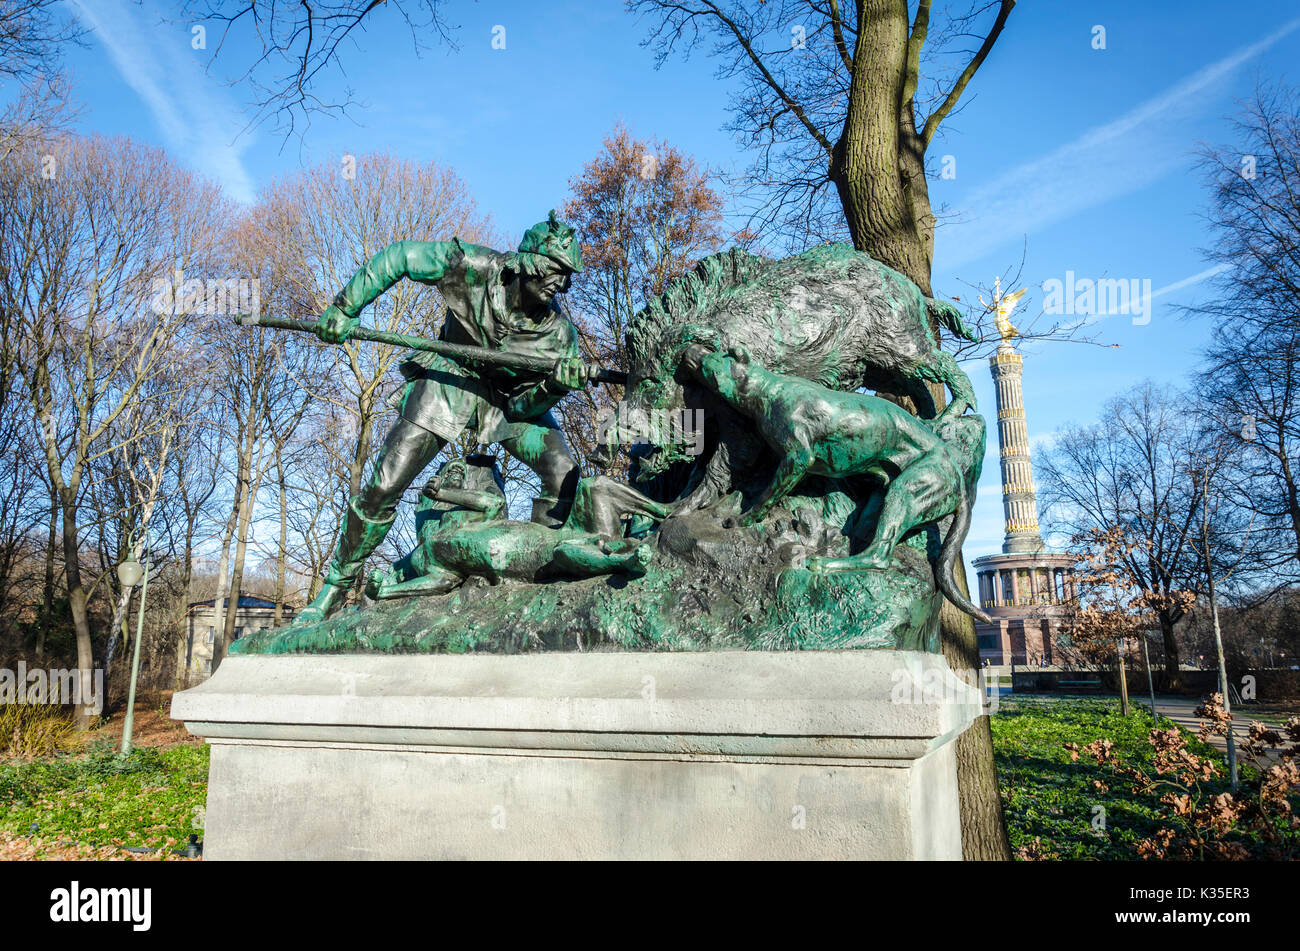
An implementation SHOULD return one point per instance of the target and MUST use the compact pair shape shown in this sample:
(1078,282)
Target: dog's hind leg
(911,500)
(789,473)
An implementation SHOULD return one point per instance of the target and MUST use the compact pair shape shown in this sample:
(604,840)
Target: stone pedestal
(743,755)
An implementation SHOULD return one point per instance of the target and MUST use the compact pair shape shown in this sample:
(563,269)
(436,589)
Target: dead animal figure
(463,534)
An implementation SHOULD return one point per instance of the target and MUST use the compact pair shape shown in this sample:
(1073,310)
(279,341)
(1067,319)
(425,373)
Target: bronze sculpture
(924,476)
(814,517)
(463,534)
(495,301)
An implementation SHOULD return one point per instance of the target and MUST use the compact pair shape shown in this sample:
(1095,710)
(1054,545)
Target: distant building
(1026,589)
(252,614)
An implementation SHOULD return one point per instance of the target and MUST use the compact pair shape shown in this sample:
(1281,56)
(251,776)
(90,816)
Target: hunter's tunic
(441,395)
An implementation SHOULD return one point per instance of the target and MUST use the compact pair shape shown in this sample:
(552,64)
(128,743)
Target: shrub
(1202,820)
(29,730)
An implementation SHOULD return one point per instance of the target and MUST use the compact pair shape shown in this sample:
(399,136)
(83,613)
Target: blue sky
(1081,157)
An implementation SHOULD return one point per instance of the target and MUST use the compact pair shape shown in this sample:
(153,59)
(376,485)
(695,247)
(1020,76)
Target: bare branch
(297,41)
(959,87)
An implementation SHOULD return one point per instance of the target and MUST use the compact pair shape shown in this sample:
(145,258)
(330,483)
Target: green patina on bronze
(927,469)
(499,305)
(814,518)
(673,606)
(462,534)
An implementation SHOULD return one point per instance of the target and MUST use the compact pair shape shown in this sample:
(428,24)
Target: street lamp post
(1123,678)
(130,573)
(1151,684)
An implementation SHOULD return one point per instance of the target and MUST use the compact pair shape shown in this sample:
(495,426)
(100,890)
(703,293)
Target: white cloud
(1105,162)
(195,117)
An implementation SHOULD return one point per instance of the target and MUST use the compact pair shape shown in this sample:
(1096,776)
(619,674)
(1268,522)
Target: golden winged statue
(1002,308)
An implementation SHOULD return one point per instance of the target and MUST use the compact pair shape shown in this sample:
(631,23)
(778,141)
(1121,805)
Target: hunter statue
(504,302)
(807,515)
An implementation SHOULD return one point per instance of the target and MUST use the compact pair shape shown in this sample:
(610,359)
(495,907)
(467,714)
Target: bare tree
(836,108)
(1128,474)
(1251,389)
(195,477)
(1256,633)
(982,304)
(148,434)
(23,504)
(86,228)
(279,441)
(1251,378)
(33,37)
(282,429)
(46,612)
(318,487)
(260,398)
(645,213)
(1254,214)
(220,608)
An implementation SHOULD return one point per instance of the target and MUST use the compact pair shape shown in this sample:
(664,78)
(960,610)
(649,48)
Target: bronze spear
(456,351)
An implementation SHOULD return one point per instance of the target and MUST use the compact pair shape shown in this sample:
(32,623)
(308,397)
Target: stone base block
(741,755)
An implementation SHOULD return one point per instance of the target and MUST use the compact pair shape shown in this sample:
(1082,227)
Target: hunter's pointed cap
(554,239)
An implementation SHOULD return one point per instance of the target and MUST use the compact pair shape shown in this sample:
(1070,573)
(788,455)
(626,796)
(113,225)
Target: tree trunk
(47,590)
(223,573)
(1292,492)
(356,467)
(878,165)
(280,553)
(878,169)
(181,675)
(983,826)
(984,835)
(227,635)
(121,618)
(245,495)
(180,672)
(77,600)
(121,624)
(1173,675)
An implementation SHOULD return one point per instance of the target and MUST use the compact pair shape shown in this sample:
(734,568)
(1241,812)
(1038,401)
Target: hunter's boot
(550,511)
(361,536)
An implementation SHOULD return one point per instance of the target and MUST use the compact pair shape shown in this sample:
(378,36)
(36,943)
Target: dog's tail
(948,552)
(950,317)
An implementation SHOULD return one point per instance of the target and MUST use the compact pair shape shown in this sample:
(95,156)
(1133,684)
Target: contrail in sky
(1105,162)
(191,111)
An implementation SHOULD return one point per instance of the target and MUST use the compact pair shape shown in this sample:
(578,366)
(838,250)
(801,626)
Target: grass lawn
(151,798)
(89,802)
(1045,795)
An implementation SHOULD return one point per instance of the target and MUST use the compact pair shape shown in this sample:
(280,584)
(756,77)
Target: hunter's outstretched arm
(423,261)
